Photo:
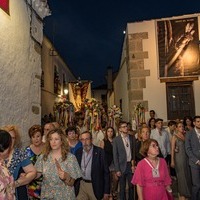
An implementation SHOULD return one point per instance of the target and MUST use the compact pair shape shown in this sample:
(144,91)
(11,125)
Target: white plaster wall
(97,94)
(19,64)
(111,99)
(155,92)
(121,91)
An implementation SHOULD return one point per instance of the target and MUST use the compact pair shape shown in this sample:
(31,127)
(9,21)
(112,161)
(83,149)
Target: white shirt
(163,141)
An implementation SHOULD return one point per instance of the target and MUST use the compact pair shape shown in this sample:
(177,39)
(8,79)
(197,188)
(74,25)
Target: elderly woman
(151,175)
(6,179)
(59,168)
(34,151)
(19,164)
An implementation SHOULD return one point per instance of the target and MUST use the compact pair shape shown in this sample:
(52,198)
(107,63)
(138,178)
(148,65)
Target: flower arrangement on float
(63,111)
(114,116)
(138,115)
(92,110)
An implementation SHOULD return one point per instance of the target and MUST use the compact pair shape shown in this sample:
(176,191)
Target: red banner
(4,5)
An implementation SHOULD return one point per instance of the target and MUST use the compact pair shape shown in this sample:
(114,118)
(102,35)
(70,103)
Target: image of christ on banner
(78,92)
(178,47)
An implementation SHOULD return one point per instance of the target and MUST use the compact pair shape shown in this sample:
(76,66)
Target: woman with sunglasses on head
(151,175)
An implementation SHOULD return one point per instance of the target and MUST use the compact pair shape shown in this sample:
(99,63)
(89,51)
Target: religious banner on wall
(4,5)
(78,92)
(178,47)
(57,83)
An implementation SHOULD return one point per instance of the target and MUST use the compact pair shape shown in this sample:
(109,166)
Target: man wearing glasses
(95,182)
(124,158)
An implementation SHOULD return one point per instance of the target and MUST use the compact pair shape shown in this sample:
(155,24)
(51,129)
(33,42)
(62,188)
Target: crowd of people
(74,163)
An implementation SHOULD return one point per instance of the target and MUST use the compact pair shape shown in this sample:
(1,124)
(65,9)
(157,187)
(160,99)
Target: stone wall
(135,69)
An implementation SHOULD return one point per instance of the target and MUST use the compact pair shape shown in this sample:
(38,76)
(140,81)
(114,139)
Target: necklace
(155,169)
(125,138)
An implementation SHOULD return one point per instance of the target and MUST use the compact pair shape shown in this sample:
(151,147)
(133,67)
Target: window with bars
(180,100)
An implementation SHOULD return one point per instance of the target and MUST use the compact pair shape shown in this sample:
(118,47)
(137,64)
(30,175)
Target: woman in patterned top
(19,164)
(6,180)
(34,151)
(59,168)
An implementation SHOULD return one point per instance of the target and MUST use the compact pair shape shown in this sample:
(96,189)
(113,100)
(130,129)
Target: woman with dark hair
(59,168)
(188,123)
(151,123)
(151,175)
(19,164)
(106,144)
(34,151)
(6,180)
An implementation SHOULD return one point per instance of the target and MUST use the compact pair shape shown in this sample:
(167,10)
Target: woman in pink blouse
(151,175)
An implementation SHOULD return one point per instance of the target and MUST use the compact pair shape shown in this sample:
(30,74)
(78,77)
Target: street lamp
(66,91)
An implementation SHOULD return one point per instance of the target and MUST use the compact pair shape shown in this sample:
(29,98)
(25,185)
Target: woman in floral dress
(34,151)
(7,189)
(59,168)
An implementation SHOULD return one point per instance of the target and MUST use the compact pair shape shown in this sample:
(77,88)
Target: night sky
(89,34)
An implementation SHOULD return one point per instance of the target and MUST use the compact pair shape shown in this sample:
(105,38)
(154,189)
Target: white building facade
(20,65)
(160,68)
(53,65)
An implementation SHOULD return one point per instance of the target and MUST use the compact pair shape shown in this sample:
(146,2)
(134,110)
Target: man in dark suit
(95,182)
(192,147)
(124,159)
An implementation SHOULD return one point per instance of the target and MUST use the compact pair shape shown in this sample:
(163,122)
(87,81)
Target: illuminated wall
(50,60)
(20,70)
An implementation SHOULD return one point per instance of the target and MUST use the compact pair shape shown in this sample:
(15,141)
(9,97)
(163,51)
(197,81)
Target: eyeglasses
(154,145)
(86,139)
(71,133)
